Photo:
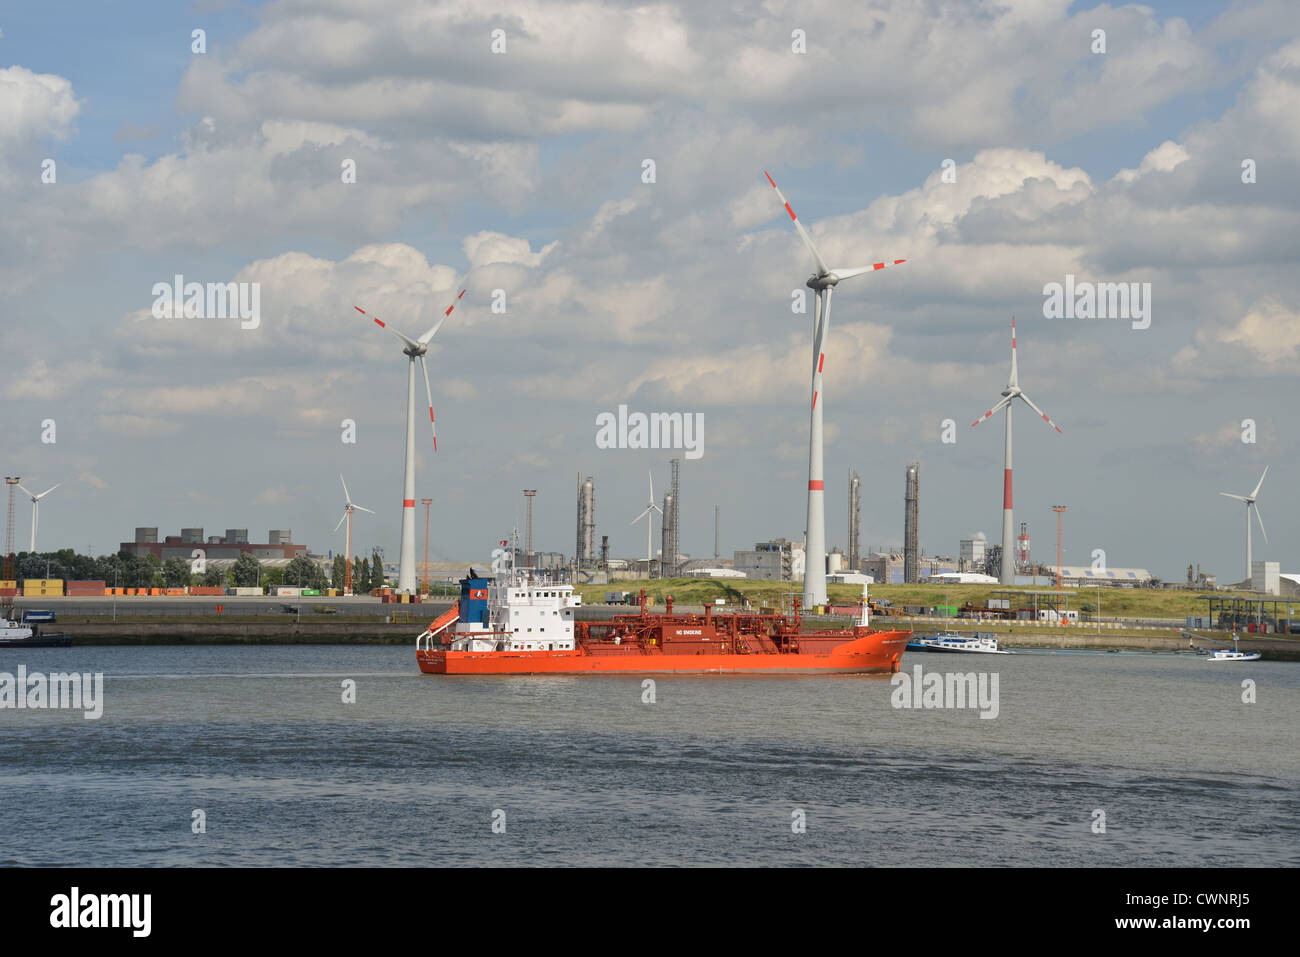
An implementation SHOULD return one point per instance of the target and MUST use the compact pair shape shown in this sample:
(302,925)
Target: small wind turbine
(1010,394)
(1250,503)
(348,509)
(414,349)
(36,509)
(822,282)
(650,521)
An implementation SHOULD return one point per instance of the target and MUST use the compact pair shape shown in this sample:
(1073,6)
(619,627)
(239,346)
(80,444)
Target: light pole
(1099,608)
(116,576)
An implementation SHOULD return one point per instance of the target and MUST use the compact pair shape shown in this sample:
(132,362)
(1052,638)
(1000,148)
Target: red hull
(864,652)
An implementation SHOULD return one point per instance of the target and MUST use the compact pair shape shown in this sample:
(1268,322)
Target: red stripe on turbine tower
(408,503)
(1006,489)
(815,486)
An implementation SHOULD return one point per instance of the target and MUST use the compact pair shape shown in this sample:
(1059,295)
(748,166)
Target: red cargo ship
(523,624)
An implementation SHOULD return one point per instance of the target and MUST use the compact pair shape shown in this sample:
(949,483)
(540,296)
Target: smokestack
(855,519)
(911,553)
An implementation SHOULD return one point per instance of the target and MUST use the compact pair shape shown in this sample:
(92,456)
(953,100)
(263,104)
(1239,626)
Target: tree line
(125,570)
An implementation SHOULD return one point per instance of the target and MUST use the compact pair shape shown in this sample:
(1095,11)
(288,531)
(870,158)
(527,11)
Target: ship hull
(872,653)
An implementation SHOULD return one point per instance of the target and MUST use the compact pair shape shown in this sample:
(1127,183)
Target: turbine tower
(1010,394)
(649,525)
(414,349)
(36,509)
(348,509)
(822,282)
(1250,503)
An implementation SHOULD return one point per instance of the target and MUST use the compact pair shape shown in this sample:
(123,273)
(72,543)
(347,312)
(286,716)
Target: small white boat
(978,643)
(1223,654)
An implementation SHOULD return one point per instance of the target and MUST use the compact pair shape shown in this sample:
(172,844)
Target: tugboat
(521,622)
(981,643)
(15,635)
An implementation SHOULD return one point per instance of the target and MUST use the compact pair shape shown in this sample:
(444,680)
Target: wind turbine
(36,510)
(822,282)
(348,509)
(1010,394)
(650,521)
(1250,503)
(414,349)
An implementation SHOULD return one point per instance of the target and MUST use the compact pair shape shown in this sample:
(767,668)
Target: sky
(991,145)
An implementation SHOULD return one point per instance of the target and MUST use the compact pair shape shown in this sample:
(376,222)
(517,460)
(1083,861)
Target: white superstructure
(526,611)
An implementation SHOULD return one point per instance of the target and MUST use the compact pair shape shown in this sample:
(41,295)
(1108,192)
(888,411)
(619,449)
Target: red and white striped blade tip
(784,201)
(378,321)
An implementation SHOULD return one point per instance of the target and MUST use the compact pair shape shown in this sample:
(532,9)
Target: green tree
(176,572)
(361,577)
(213,577)
(107,566)
(339,572)
(273,577)
(244,573)
(305,573)
(376,572)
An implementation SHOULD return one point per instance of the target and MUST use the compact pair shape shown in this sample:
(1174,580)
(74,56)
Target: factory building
(777,560)
(972,552)
(229,546)
(890,568)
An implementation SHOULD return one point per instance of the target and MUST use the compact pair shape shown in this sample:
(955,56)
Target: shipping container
(174,591)
(913,610)
(244,590)
(87,583)
(310,591)
(285,591)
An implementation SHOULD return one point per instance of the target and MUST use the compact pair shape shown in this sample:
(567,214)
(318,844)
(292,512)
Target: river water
(425,770)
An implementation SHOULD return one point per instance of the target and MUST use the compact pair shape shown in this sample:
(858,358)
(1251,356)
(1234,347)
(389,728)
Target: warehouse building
(229,546)
(1080,575)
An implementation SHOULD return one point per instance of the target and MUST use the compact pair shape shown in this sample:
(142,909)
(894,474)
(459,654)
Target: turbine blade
(1255,494)
(341,520)
(53,487)
(639,517)
(362,509)
(1261,524)
(429,392)
(989,413)
(859,270)
(383,325)
(1040,412)
(1015,376)
(1239,498)
(803,233)
(26,489)
(651,476)
(424,339)
(346,497)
